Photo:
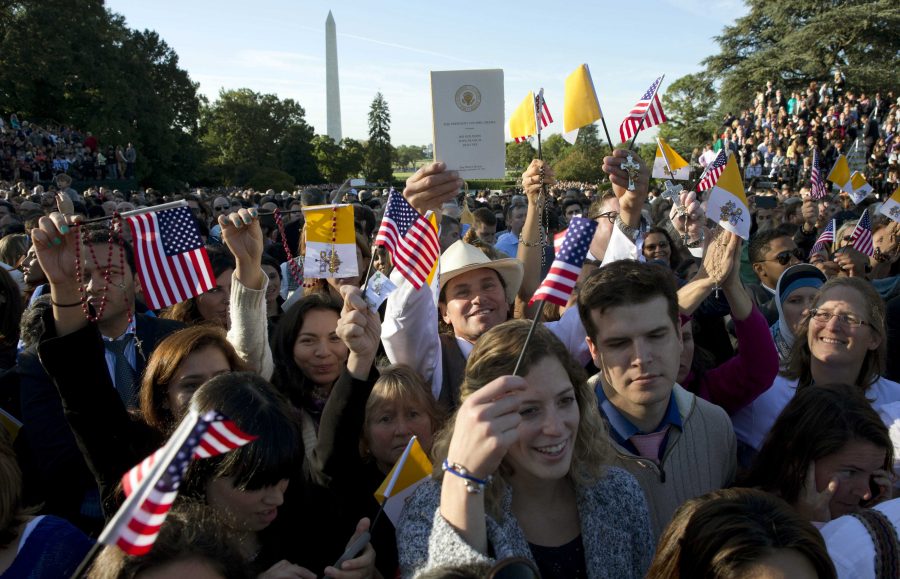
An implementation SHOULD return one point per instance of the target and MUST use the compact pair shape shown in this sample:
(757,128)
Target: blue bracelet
(473,485)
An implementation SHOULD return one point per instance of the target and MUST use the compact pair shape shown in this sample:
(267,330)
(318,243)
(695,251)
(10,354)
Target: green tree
(793,42)
(579,165)
(405,156)
(519,156)
(352,158)
(554,148)
(245,129)
(327,155)
(589,140)
(295,154)
(378,150)
(691,105)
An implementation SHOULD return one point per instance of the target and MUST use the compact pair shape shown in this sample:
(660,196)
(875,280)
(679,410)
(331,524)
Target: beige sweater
(699,459)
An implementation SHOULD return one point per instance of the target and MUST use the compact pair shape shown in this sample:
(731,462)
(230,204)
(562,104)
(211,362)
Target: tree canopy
(378,150)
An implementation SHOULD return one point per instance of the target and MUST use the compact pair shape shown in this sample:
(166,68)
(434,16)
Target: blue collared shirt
(622,429)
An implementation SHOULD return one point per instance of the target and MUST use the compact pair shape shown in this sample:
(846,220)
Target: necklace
(114,237)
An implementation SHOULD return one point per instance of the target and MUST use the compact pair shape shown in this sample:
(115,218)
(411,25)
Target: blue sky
(278,46)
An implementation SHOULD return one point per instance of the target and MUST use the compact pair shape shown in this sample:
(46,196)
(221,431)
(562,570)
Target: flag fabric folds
(152,485)
(171,261)
(557,287)
(542,111)
(580,104)
(861,238)
(330,242)
(817,184)
(858,188)
(522,123)
(840,173)
(891,207)
(669,164)
(648,109)
(727,203)
(712,172)
(824,239)
(411,238)
(411,470)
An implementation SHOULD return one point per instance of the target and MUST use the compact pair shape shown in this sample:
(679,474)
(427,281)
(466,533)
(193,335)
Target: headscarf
(792,279)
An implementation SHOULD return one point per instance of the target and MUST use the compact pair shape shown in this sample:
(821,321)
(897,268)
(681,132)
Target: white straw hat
(462,257)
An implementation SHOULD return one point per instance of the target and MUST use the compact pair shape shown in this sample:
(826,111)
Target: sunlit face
(475,302)
(247,510)
(638,349)
(853,466)
(213,305)
(120,291)
(318,351)
(835,342)
(32,273)
(390,426)
(549,427)
(198,367)
(274,277)
(656,246)
(770,268)
(604,228)
(796,305)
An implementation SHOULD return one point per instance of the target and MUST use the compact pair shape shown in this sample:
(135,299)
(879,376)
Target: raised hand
(431,186)
(243,236)
(688,218)
(533,178)
(360,567)
(612,166)
(360,328)
(813,504)
(54,246)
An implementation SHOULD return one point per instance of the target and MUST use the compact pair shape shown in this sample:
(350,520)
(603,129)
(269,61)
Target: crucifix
(673,192)
(632,169)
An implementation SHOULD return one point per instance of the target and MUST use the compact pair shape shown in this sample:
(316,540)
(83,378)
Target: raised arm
(536,177)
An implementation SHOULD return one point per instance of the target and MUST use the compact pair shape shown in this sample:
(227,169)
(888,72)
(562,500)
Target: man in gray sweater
(677,445)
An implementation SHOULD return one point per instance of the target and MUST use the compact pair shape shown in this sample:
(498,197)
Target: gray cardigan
(615,531)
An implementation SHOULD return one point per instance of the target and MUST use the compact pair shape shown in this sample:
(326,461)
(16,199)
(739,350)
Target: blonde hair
(494,356)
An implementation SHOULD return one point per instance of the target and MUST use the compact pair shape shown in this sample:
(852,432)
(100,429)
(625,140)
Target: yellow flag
(580,106)
(432,218)
(411,470)
(858,188)
(667,159)
(521,123)
(727,203)
(330,242)
(891,207)
(840,173)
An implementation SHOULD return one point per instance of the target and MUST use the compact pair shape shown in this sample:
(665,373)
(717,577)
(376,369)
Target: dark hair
(288,378)
(31,326)
(674,256)
(100,234)
(626,282)
(512,207)
(485,216)
(721,534)
(192,531)
(258,409)
(760,243)
(816,423)
(569,202)
(11,307)
(364,219)
(168,355)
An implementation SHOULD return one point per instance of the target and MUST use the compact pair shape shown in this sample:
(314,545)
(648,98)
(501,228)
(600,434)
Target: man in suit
(59,473)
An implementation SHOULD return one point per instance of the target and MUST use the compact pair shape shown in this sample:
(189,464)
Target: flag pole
(534,323)
(608,138)
(644,116)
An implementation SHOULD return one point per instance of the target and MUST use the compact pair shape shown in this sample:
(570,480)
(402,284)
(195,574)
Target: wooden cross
(632,169)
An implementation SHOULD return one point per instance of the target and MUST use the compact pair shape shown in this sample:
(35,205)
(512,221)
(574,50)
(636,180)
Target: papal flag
(580,106)
(669,164)
(891,207)
(840,173)
(412,469)
(522,122)
(727,203)
(330,242)
(858,188)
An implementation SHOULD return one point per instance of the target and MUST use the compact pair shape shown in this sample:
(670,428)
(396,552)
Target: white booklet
(468,122)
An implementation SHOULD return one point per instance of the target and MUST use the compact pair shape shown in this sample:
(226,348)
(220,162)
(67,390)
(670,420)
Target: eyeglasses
(784,257)
(823,317)
(609,215)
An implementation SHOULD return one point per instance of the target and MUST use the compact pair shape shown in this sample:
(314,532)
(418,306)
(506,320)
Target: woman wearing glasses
(841,340)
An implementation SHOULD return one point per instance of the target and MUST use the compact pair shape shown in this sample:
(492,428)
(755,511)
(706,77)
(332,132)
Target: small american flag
(648,108)
(713,171)
(135,527)
(862,235)
(817,189)
(411,239)
(171,261)
(543,111)
(557,287)
(824,239)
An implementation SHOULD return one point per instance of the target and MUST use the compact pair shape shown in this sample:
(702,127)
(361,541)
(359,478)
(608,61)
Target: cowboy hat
(462,257)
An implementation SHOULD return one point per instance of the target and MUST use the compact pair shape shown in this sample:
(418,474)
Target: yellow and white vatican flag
(840,173)
(522,123)
(580,104)
(891,207)
(858,188)
(412,469)
(727,204)
(330,242)
(669,164)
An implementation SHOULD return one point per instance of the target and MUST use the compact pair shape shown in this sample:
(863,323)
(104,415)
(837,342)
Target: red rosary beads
(115,227)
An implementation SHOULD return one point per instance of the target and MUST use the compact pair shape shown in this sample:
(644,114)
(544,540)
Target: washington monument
(332,88)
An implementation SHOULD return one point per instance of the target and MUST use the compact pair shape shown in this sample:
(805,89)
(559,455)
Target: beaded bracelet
(473,485)
(527,244)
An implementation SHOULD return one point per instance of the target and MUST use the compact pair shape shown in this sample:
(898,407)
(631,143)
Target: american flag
(862,235)
(557,287)
(648,108)
(152,486)
(817,190)
(713,171)
(824,239)
(558,240)
(542,114)
(171,261)
(411,239)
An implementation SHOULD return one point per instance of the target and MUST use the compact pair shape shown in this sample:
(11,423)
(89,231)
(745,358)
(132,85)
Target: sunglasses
(785,256)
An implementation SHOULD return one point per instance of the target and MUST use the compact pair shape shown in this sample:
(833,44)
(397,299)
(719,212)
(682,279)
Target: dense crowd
(700,406)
